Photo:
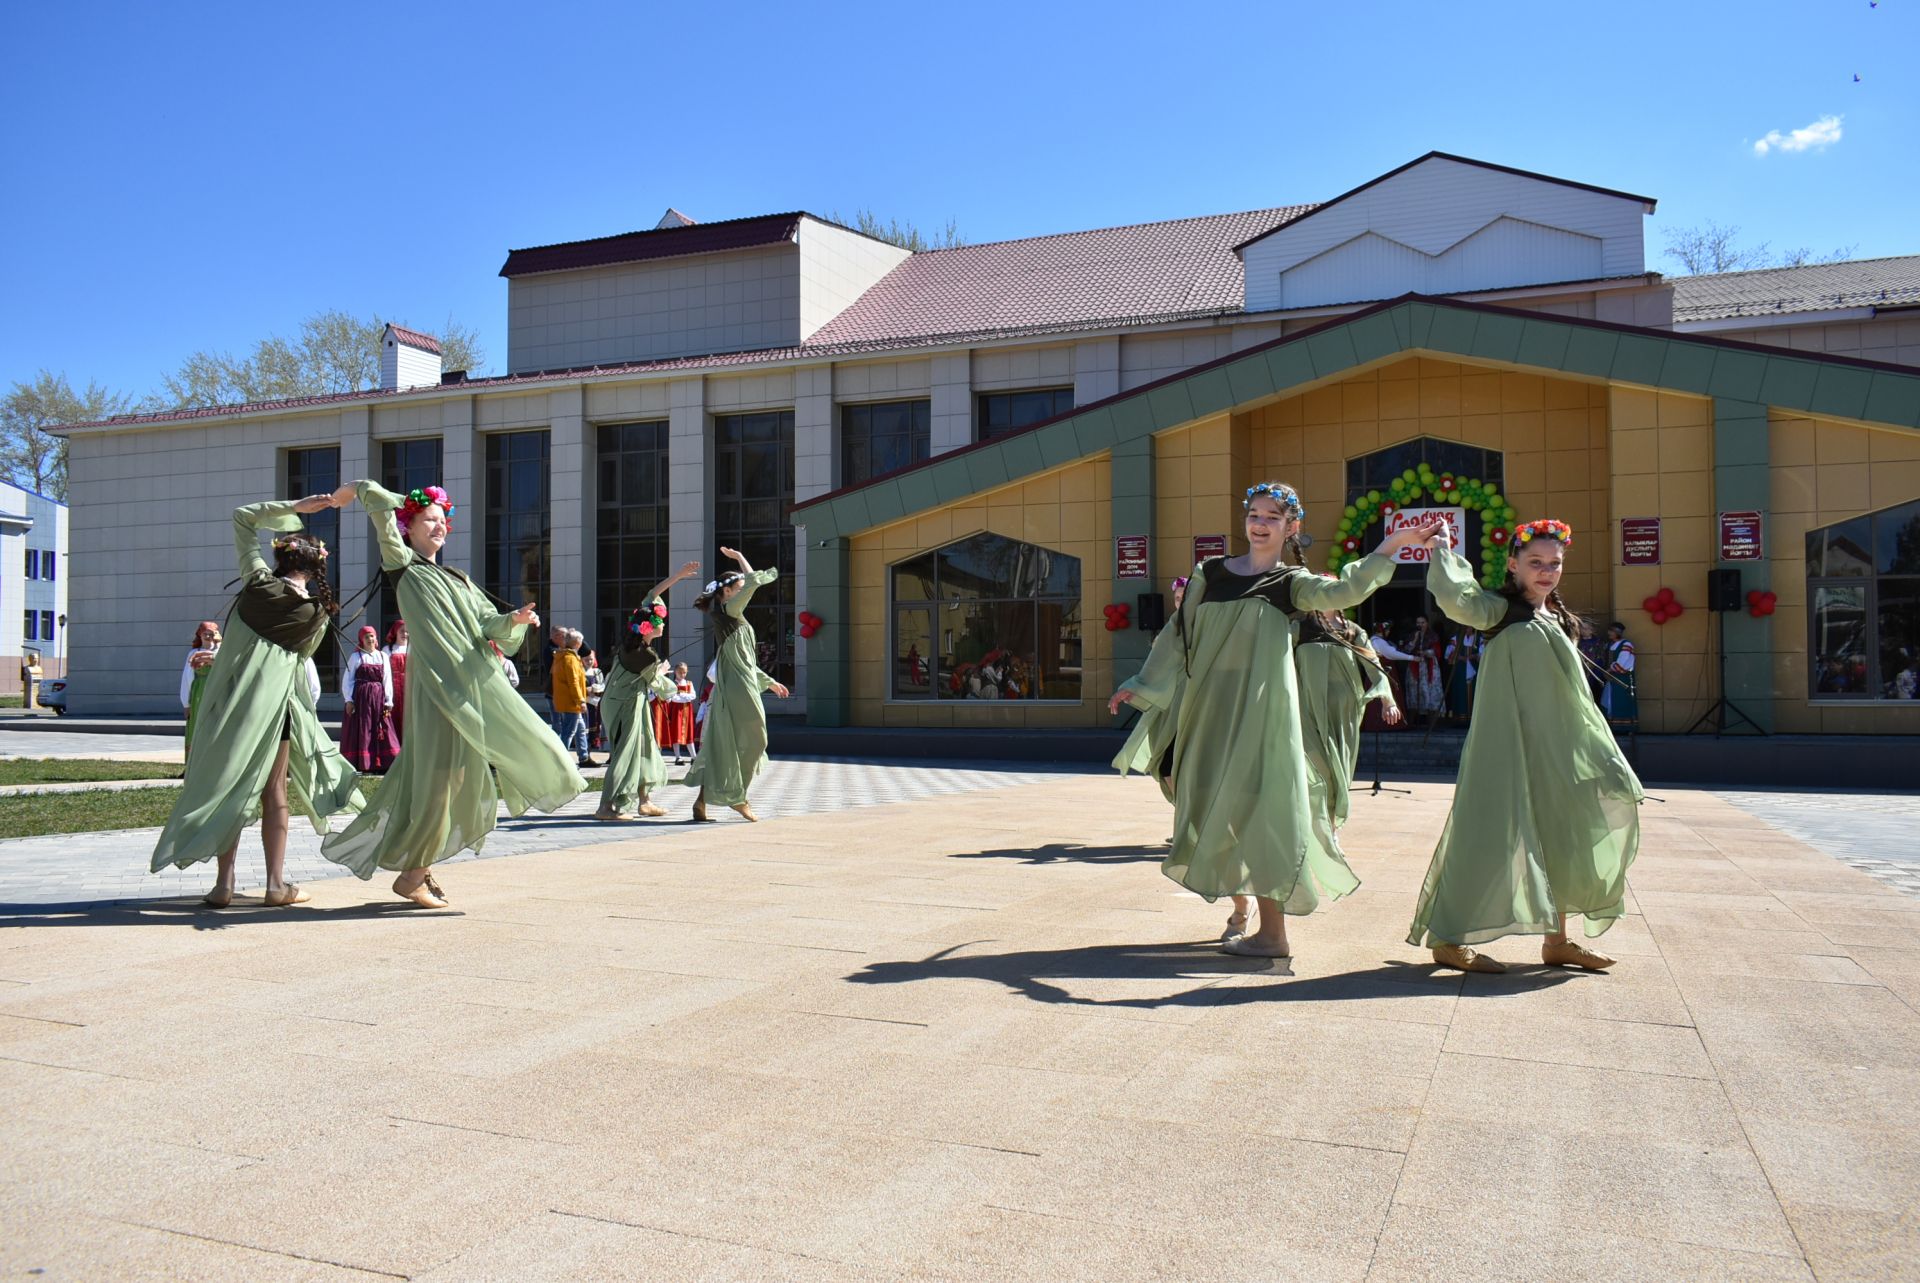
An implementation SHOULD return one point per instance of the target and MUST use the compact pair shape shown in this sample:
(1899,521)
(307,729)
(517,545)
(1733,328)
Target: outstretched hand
(313,503)
(346,494)
(527,615)
(688,571)
(1120,697)
(779,691)
(1419,533)
(736,555)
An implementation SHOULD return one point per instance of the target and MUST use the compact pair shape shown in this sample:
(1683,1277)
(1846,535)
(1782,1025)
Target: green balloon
(1351,511)
(1408,475)
(1493,498)
(1374,496)
(1414,493)
(1507,515)
(1399,485)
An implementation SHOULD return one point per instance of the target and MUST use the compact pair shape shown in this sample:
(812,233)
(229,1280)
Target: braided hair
(724,625)
(301,552)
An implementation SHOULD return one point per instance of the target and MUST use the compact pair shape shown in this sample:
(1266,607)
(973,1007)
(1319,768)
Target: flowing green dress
(733,745)
(1336,685)
(196,691)
(635,768)
(1219,693)
(439,796)
(1545,816)
(254,690)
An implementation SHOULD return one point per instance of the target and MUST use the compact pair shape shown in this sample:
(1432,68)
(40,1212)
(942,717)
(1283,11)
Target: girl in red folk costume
(673,716)
(366,732)
(396,651)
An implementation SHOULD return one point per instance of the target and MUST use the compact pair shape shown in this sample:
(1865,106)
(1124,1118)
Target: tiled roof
(1115,275)
(414,338)
(656,242)
(1782,291)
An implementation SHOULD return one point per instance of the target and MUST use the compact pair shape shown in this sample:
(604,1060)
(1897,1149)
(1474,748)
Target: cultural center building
(961,459)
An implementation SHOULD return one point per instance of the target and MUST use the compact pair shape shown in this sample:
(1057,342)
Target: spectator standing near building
(569,692)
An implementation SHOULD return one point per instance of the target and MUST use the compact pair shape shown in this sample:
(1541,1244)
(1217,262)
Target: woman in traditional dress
(1243,822)
(634,765)
(1424,694)
(673,716)
(1383,648)
(1545,819)
(440,796)
(1617,697)
(366,730)
(262,749)
(396,650)
(193,673)
(1339,676)
(1462,650)
(733,745)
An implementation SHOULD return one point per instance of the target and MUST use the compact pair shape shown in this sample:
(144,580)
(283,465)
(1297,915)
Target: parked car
(53,695)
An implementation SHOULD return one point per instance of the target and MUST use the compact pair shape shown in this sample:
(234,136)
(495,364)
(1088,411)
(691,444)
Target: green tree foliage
(333,352)
(31,456)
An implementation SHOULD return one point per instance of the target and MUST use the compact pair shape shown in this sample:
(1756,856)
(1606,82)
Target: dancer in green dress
(1339,676)
(634,765)
(733,746)
(262,752)
(1242,819)
(440,796)
(193,674)
(1545,819)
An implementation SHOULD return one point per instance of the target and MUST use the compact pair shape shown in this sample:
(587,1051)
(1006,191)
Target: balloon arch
(1448,491)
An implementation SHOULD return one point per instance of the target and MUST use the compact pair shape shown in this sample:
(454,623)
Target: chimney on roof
(408,359)
(673,218)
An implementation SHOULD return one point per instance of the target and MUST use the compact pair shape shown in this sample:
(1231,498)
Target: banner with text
(1455,519)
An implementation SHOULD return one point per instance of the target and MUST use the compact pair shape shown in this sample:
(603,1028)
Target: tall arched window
(1863,606)
(986,618)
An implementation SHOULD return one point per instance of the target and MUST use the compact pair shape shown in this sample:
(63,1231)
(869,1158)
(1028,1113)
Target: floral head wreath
(648,622)
(286,543)
(1284,495)
(715,585)
(1545,528)
(418,500)
(1180,583)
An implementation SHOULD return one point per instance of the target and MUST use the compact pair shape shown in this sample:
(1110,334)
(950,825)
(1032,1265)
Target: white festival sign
(1455,519)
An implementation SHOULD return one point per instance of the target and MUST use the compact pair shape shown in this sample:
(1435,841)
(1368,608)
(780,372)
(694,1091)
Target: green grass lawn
(95,810)
(85,771)
(13,701)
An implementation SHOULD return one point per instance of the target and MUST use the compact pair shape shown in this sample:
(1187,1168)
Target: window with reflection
(752,501)
(986,618)
(1863,606)
(998,413)
(630,524)
(309,472)
(883,437)
(518,526)
(406,465)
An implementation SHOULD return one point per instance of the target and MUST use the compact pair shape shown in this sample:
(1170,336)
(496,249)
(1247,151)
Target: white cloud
(1818,136)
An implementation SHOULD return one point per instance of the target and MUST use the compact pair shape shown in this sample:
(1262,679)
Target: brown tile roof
(656,242)
(1782,291)
(414,338)
(1146,273)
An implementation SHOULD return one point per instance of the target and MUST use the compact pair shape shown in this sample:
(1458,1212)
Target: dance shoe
(421,895)
(649,809)
(1566,953)
(1461,958)
(700,808)
(1236,926)
(218,898)
(746,813)
(1248,947)
(291,893)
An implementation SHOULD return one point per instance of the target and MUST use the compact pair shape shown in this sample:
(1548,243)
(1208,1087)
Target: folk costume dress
(1545,817)
(439,796)
(1219,693)
(366,734)
(1618,698)
(1336,685)
(673,715)
(396,653)
(255,696)
(635,767)
(193,685)
(733,742)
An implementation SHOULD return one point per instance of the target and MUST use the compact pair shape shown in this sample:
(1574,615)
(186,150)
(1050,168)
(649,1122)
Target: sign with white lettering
(1456,523)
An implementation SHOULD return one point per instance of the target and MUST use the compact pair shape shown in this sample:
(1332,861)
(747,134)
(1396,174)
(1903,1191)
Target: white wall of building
(32,522)
(836,267)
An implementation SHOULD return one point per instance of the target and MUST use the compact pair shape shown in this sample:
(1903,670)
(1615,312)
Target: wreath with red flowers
(418,500)
(649,621)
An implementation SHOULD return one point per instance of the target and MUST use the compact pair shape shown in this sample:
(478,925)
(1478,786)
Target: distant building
(33,583)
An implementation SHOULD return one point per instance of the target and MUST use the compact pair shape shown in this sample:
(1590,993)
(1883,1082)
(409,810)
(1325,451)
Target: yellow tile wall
(1068,510)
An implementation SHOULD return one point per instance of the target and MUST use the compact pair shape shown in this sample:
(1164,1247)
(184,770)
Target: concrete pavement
(966,1036)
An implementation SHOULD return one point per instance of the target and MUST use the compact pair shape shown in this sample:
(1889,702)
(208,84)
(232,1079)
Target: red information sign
(1741,536)
(1639,541)
(1205,546)
(1130,553)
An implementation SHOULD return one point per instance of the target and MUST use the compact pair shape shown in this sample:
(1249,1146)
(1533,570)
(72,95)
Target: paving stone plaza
(940,1021)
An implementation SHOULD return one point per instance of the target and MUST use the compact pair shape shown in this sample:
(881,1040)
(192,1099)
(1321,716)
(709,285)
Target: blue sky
(185,177)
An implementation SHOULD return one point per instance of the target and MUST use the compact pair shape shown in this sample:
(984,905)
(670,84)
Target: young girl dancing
(193,673)
(634,765)
(462,718)
(1243,822)
(366,690)
(733,743)
(262,749)
(1544,822)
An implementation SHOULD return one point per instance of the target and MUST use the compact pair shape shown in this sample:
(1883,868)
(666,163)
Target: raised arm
(1450,580)
(381,503)
(736,605)
(659,590)
(281,515)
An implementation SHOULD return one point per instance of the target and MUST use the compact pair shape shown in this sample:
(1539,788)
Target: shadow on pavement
(1042,975)
(190,912)
(1055,852)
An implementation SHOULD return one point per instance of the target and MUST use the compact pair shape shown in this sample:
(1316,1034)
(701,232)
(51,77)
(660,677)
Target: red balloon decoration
(1663,606)
(809,623)
(1117,616)
(1760,603)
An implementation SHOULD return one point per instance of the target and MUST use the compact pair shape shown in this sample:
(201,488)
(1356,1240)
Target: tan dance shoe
(649,809)
(291,893)
(700,807)
(746,813)
(421,895)
(218,898)
(1236,926)
(611,817)
(1461,958)
(1566,953)
(1248,947)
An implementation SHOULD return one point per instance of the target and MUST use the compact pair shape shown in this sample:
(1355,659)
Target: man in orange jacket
(570,697)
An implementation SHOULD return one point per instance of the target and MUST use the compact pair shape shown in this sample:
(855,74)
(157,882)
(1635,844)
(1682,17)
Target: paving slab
(949,1022)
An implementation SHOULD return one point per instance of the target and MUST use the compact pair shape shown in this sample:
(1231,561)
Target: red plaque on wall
(1639,541)
(1130,555)
(1741,536)
(1205,546)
